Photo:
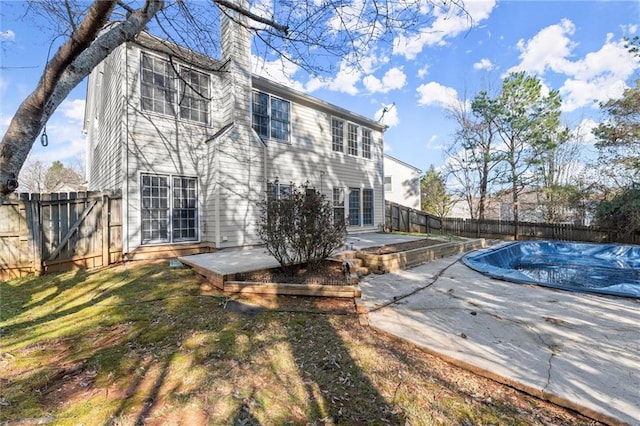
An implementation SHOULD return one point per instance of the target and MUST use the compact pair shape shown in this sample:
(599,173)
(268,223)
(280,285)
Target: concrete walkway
(580,351)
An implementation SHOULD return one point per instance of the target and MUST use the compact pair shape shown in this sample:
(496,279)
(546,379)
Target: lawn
(143,343)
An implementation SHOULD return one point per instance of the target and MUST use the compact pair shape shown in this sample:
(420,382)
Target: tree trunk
(70,65)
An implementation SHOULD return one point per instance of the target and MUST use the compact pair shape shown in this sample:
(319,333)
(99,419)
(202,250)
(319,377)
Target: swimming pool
(612,269)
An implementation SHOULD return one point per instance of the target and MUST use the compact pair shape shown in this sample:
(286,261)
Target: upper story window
(158,85)
(337,135)
(387,184)
(359,139)
(366,143)
(162,91)
(271,116)
(352,137)
(194,96)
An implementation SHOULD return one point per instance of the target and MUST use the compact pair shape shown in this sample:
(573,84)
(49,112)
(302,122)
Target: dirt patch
(329,273)
(398,247)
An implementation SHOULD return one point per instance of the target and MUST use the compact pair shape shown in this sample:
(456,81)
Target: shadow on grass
(139,343)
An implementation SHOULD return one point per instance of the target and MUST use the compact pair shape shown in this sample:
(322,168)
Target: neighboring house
(194,144)
(401,182)
(532,207)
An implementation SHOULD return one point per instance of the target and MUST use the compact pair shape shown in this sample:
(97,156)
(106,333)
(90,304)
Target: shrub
(299,227)
(622,213)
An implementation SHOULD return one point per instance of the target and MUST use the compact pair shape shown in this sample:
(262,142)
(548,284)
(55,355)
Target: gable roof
(387,156)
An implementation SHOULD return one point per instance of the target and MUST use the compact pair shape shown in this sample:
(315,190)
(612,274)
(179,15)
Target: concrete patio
(580,351)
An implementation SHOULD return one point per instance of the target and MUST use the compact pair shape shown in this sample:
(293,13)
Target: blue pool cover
(611,269)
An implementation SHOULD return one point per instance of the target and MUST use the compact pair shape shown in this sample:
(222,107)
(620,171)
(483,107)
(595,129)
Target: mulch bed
(329,273)
(395,248)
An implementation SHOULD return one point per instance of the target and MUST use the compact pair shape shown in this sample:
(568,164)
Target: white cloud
(630,29)
(596,77)
(435,94)
(449,22)
(388,114)
(73,109)
(346,79)
(431,143)
(393,79)
(424,71)
(548,49)
(278,70)
(8,35)
(583,132)
(64,132)
(484,64)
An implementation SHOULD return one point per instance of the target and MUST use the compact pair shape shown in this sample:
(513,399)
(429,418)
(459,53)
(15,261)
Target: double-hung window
(367,207)
(278,191)
(360,207)
(359,139)
(169,209)
(194,95)
(388,187)
(337,135)
(162,91)
(338,205)
(157,85)
(354,206)
(366,143)
(271,116)
(352,138)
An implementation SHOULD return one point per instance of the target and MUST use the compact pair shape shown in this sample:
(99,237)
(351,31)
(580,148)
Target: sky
(575,47)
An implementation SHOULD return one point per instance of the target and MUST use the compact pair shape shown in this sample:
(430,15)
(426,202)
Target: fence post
(32,204)
(105,230)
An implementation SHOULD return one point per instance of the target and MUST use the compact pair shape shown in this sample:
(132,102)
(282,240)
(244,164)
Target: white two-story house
(194,144)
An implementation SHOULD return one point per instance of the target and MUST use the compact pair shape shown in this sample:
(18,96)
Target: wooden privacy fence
(47,232)
(405,219)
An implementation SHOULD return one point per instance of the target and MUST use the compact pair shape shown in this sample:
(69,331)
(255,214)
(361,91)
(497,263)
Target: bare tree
(472,161)
(32,176)
(39,177)
(307,34)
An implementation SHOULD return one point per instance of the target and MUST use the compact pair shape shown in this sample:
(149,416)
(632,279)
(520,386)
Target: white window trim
(359,139)
(269,116)
(361,189)
(170,240)
(176,90)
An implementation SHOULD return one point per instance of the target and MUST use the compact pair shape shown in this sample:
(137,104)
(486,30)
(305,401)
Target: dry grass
(143,343)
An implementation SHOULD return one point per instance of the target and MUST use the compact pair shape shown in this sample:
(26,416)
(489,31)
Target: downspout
(125,195)
(216,193)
